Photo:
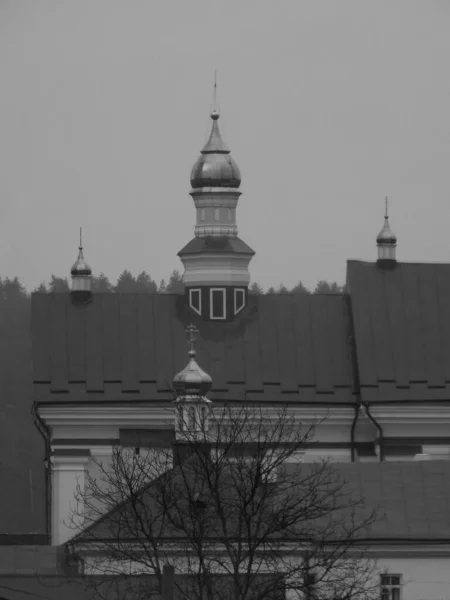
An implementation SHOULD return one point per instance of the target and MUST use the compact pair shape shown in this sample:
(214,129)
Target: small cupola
(191,404)
(81,274)
(386,242)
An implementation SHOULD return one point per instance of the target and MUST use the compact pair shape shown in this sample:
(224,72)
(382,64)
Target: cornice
(141,417)
(411,414)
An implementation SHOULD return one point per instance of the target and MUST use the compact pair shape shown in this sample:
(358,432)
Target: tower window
(195,301)
(216,214)
(229,214)
(217,303)
(239,300)
(202,214)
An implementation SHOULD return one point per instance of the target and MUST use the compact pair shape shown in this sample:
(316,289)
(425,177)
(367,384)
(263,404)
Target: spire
(81,272)
(192,384)
(215,167)
(386,239)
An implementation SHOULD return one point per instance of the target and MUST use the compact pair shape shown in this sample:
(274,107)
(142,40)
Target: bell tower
(216,274)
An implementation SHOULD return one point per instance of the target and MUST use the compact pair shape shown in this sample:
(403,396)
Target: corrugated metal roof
(291,348)
(401,319)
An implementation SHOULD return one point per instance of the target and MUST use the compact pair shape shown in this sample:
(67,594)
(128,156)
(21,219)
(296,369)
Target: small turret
(192,407)
(386,243)
(81,275)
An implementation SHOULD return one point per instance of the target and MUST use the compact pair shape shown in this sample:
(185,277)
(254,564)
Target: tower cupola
(216,274)
(215,167)
(386,241)
(81,273)
(192,384)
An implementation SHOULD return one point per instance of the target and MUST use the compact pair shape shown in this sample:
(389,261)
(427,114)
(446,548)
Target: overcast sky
(327,107)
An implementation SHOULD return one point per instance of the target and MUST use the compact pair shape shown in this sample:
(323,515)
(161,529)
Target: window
(390,587)
(217,303)
(216,214)
(202,214)
(195,300)
(239,300)
(229,214)
(192,424)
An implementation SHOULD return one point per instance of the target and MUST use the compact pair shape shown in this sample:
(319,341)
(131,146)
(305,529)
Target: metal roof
(401,319)
(291,348)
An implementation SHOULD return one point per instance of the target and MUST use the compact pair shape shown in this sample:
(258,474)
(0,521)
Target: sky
(327,106)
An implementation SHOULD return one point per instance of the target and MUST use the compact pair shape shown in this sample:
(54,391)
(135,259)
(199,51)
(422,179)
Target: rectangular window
(216,214)
(390,587)
(239,300)
(217,303)
(195,300)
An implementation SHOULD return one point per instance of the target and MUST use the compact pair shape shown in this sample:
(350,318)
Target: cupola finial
(81,272)
(191,331)
(386,239)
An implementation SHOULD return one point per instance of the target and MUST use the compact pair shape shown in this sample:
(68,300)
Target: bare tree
(231,506)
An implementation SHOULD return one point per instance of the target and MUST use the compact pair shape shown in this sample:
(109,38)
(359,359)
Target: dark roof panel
(411,500)
(291,348)
(401,318)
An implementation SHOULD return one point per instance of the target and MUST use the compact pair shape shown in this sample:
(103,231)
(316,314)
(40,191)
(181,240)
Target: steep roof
(411,500)
(401,320)
(291,348)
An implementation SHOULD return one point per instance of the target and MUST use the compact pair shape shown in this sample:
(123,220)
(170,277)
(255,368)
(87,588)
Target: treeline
(128,283)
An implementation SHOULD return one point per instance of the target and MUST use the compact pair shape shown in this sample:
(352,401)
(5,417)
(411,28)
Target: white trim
(236,312)
(199,312)
(224,296)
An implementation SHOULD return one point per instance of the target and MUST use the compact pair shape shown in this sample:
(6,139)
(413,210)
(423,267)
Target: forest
(143,283)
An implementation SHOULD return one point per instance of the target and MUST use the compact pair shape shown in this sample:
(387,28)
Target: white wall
(422,578)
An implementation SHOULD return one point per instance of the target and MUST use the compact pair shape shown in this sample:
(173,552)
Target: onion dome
(386,235)
(192,380)
(80,267)
(215,166)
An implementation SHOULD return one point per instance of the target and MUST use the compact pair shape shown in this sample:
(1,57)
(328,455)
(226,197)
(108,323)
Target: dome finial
(386,239)
(192,381)
(191,331)
(81,272)
(215,113)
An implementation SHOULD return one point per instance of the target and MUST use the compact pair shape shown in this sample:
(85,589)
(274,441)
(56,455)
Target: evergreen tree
(41,288)
(101,284)
(282,289)
(126,283)
(300,289)
(145,283)
(324,287)
(58,285)
(256,289)
(175,284)
(271,290)
(162,287)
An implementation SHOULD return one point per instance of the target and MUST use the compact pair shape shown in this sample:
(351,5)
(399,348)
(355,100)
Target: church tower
(216,275)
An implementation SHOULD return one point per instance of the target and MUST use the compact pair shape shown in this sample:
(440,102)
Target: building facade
(372,365)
